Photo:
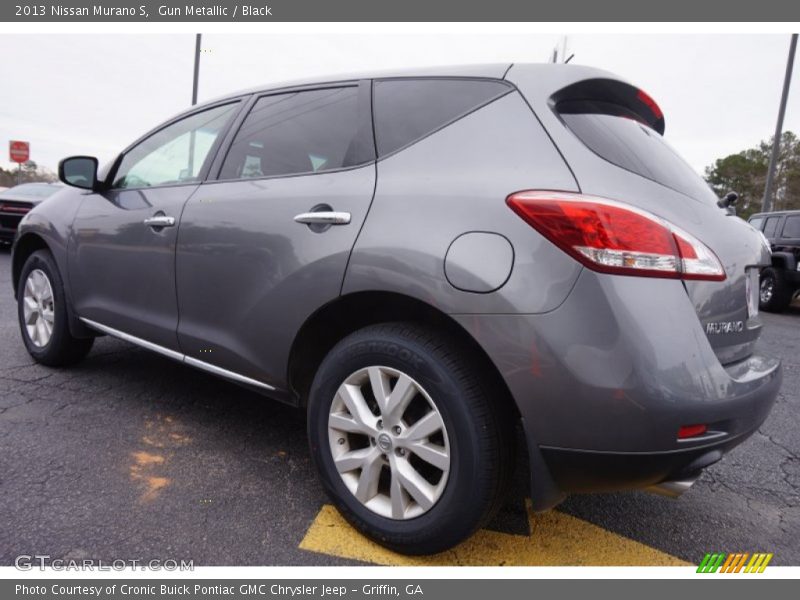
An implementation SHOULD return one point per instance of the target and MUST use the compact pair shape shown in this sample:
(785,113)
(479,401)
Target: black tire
(61,349)
(480,434)
(780,293)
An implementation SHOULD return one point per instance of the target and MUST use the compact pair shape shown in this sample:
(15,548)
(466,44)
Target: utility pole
(766,204)
(197,40)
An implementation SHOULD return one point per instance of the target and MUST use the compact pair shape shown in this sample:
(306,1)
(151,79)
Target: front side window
(299,132)
(175,154)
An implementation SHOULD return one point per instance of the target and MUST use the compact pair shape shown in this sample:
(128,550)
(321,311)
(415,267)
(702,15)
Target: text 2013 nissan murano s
(424,261)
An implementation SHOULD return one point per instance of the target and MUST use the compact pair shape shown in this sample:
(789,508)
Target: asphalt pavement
(129,455)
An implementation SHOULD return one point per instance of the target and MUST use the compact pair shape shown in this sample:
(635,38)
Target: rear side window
(791,228)
(771,226)
(756,222)
(407,110)
(621,137)
(300,132)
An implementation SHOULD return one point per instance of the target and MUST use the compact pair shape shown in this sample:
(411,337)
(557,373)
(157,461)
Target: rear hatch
(612,136)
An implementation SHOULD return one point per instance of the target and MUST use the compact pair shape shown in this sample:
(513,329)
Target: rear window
(407,110)
(621,137)
(791,229)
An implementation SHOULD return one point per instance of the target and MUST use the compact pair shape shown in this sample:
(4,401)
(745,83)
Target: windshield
(621,137)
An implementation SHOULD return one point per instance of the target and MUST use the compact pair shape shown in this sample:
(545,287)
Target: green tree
(31,172)
(746,174)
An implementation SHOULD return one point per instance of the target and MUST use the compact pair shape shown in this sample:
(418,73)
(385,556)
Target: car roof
(489,70)
(776,213)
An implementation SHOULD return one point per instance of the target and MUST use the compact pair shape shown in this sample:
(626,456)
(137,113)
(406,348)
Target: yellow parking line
(556,539)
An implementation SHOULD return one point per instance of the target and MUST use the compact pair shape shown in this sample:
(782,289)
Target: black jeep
(780,283)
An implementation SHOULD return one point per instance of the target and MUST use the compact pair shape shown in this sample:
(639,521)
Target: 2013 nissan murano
(425,262)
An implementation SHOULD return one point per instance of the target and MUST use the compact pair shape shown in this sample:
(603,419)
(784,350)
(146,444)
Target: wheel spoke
(30,303)
(355,459)
(41,332)
(346,424)
(432,454)
(404,391)
(370,476)
(38,283)
(398,498)
(47,313)
(379,382)
(425,427)
(47,291)
(29,287)
(415,484)
(354,401)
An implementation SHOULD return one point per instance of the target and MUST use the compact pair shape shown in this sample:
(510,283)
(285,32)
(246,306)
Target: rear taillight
(613,237)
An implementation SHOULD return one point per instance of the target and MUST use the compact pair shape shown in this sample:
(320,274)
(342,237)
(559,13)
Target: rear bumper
(604,382)
(579,471)
(8,226)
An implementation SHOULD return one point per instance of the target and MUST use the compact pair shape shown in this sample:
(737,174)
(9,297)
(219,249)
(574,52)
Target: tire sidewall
(451,510)
(43,261)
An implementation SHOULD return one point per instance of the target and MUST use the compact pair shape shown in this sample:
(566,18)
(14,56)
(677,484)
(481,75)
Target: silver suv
(425,262)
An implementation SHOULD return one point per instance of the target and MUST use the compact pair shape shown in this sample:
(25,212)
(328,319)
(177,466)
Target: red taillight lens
(690,431)
(613,237)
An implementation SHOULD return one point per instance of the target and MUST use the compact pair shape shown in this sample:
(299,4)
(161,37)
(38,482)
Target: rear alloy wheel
(43,317)
(774,294)
(410,445)
(389,443)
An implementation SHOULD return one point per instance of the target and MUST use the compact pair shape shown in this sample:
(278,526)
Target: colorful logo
(734,563)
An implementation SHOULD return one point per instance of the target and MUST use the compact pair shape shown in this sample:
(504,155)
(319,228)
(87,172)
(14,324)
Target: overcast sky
(94,94)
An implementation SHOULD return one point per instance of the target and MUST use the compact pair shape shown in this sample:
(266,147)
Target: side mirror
(79,172)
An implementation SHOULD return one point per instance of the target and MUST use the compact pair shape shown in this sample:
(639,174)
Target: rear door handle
(324,217)
(160,221)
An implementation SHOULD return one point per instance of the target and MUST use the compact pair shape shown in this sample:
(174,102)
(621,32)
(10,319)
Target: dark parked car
(15,203)
(780,282)
(424,262)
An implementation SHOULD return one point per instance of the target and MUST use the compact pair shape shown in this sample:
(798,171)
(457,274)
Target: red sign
(19,152)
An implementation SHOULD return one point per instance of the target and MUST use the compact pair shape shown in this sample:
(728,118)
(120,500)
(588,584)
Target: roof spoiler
(615,92)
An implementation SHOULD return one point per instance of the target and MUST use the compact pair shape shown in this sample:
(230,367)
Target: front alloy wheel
(38,308)
(389,442)
(43,314)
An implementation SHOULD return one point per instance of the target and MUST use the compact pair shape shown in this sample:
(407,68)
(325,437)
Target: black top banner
(402,10)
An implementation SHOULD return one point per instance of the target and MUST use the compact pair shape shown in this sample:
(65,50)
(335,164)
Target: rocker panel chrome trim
(199,364)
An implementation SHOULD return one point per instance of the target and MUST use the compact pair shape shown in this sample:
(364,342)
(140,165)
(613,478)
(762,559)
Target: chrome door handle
(160,221)
(323,217)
